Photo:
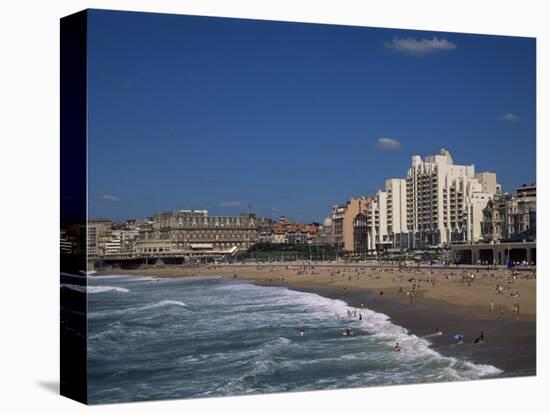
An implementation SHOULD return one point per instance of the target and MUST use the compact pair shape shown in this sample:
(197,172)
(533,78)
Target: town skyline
(193,113)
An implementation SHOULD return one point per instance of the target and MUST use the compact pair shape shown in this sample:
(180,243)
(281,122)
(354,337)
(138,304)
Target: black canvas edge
(73,206)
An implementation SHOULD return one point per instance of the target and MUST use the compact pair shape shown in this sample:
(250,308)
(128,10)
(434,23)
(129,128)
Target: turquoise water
(201,337)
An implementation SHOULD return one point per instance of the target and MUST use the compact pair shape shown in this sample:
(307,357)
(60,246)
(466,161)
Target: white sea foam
(414,350)
(95,289)
(253,332)
(380,326)
(163,303)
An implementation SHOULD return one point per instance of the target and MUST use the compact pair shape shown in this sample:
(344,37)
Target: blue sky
(288,118)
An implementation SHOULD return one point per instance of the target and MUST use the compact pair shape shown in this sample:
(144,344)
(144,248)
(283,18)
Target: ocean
(205,337)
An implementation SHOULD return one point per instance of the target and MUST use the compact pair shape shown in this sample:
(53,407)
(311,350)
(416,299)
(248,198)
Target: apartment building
(445,201)
(511,217)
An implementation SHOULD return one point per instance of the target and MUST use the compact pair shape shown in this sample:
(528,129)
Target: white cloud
(109,197)
(509,117)
(230,204)
(420,47)
(387,144)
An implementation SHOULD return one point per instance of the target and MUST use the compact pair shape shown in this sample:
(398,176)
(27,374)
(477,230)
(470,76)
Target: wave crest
(163,303)
(95,289)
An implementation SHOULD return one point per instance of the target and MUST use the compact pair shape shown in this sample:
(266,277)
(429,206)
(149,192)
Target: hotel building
(445,201)
(194,230)
(437,204)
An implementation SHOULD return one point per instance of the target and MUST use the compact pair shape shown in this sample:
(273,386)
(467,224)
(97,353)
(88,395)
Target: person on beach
(397,348)
(492,306)
(480,338)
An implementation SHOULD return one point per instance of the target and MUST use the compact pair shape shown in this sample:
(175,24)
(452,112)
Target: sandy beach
(452,300)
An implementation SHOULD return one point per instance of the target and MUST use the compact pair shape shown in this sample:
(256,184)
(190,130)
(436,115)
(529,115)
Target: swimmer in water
(302,332)
(397,348)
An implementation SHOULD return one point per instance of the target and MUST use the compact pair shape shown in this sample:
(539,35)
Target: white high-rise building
(396,211)
(387,216)
(445,201)
(377,222)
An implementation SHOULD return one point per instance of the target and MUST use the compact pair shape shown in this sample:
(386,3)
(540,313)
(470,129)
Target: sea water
(200,337)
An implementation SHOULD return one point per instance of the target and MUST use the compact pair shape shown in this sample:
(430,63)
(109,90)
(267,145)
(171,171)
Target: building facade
(186,231)
(445,201)
(373,223)
(360,233)
(98,235)
(508,217)
(289,232)
(324,233)
(396,212)
(439,203)
(342,222)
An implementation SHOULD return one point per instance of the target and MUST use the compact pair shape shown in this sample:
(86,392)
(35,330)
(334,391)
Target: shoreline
(510,340)
(514,354)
